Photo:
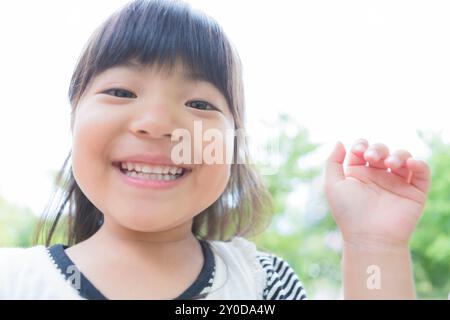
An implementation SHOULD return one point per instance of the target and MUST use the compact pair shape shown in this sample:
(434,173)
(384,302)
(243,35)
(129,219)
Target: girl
(144,225)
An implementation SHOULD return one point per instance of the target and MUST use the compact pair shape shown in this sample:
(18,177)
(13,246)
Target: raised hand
(371,204)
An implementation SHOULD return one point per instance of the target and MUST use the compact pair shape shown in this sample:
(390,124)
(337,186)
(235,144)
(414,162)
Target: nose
(154,120)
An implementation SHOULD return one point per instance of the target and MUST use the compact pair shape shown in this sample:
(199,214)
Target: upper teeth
(147,168)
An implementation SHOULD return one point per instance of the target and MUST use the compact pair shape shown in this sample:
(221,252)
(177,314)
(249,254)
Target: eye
(120,93)
(201,105)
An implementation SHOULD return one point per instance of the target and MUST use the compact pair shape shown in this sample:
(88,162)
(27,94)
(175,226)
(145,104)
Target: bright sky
(344,69)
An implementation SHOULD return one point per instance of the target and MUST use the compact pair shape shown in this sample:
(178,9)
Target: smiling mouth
(152,172)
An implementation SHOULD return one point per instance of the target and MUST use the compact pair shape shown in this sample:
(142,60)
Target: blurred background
(315,72)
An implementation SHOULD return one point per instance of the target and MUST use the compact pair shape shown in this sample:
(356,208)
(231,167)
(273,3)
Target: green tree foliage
(430,244)
(16,225)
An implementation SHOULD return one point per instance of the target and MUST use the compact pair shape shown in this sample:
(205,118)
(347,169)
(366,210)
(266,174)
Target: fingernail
(394,161)
(360,147)
(372,154)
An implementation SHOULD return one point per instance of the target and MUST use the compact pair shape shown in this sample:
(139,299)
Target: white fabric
(30,273)
(239,275)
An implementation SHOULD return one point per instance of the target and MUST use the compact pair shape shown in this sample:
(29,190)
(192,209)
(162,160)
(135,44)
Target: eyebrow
(187,75)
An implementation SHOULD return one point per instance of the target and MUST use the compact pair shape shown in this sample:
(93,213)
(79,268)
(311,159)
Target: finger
(397,163)
(420,174)
(356,154)
(334,171)
(375,155)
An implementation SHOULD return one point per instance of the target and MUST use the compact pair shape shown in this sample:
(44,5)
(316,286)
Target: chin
(145,222)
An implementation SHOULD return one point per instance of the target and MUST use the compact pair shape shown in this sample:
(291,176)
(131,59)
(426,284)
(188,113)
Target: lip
(150,184)
(152,159)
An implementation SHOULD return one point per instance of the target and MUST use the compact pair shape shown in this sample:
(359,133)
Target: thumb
(334,170)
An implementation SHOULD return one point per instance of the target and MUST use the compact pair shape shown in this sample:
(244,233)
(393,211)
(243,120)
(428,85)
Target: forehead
(176,69)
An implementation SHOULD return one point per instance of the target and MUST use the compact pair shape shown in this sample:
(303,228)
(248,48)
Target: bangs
(160,33)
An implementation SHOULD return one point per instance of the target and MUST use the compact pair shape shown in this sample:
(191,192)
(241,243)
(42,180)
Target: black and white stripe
(282,281)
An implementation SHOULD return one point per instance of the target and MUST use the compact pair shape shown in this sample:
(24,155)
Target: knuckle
(402,154)
(380,147)
(361,141)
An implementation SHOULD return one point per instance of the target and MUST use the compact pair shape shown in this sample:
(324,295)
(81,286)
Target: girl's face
(138,117)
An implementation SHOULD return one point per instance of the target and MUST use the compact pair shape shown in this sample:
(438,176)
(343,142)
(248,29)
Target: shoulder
(15,264)
(236,252)
(275,277)
(19,260)
(282,282)
(13,257)
(237,270)
(238,243)
(30,273)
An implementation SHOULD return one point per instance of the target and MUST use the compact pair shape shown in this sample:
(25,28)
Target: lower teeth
(152,176)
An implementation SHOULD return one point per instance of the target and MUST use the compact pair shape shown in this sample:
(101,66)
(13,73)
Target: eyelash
(118,89)
(203,102)
(211,107)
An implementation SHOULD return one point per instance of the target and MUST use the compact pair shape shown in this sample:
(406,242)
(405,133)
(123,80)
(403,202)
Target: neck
(116,239)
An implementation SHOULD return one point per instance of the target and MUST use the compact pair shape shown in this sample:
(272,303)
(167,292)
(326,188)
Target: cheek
(210,183)
(214,173)
(89,140)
